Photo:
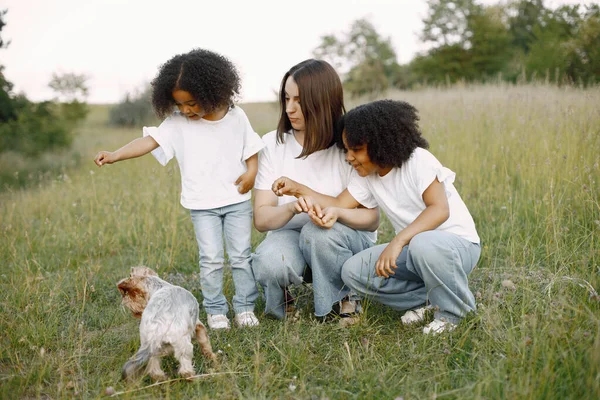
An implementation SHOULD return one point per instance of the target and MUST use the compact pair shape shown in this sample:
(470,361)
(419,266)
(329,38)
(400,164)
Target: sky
(120,44)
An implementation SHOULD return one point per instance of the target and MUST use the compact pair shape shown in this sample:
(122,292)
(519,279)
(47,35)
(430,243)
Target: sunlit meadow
(527,162)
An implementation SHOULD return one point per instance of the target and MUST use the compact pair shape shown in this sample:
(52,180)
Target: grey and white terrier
(169,320)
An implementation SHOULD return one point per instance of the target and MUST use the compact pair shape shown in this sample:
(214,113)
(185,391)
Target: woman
(302,148)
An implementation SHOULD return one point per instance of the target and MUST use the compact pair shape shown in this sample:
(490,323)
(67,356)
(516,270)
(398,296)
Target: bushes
(133,111)
(33,128)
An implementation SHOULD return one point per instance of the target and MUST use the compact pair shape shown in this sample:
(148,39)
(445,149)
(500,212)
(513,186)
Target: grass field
(527,162)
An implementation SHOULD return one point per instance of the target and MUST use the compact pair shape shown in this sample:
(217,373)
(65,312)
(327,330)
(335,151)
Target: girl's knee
(421,243)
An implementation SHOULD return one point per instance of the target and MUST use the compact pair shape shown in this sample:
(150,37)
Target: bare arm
(245,181)
(364,219)
(436,212)
(268,215)
(287,186)
(133,149)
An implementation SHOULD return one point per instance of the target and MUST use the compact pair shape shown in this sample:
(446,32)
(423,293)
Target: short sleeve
(163,135)
(426,168)
(359,189)
(252,142)
(266,172)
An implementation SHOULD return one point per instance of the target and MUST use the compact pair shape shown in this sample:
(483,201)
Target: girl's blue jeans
(234,224)
(433,267)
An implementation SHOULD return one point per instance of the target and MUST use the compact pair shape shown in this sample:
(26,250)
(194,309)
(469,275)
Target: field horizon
(527,159)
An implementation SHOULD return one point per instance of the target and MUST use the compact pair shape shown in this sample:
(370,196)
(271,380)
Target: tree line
(517,41)
(30,128)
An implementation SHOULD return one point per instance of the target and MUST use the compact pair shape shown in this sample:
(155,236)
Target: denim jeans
(434,266)
(234,223)
(282,258)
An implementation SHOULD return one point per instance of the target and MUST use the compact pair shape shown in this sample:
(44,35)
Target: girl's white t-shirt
(325,171)
(400,194)
(211,156)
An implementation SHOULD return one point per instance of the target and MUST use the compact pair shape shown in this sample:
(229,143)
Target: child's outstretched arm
(133,149)
(245,182)
(436,212)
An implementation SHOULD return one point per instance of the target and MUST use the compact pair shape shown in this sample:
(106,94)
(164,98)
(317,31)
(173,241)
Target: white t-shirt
(211,156)
(324,171)
(400,194)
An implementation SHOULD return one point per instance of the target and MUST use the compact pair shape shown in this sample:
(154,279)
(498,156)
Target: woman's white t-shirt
(400,194)
(324,171)
(211,156)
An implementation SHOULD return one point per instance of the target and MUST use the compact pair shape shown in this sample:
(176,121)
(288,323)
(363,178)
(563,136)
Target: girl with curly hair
(436,244)
(217,152)
(303,148)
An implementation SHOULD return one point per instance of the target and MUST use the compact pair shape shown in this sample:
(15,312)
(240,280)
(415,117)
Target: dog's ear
(142,271)
(128,286)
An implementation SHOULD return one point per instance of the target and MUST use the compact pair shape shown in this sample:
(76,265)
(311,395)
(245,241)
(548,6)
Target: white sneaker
(246,318)
(414,316)
(218,321)
(438,326)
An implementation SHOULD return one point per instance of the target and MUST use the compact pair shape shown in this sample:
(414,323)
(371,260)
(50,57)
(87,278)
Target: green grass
(527,162)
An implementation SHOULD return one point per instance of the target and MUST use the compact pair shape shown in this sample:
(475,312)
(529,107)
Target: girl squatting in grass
(436,244)
(216,149)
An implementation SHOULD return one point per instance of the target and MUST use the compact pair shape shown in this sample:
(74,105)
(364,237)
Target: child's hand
(306,204)
(104,157)
(329,216)
(245,182)
(285,186)
(386,264)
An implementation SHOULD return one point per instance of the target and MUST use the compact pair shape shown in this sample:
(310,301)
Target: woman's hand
(386,264)
(286,186)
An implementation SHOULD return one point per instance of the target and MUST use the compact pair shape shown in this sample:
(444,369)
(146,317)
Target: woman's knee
(314,235)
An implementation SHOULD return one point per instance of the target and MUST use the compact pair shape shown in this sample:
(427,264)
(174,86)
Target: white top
(325,171)
(211,156)
(400,194)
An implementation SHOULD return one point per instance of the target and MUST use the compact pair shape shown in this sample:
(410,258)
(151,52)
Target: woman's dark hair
(388,128)
(321,100)
(211,79)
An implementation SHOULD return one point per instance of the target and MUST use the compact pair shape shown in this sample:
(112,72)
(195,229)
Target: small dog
(169,319)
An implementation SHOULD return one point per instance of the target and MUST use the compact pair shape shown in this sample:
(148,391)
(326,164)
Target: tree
(2,24)
(525,16)
(470,42)
(447,22)
(7,111)
(32,128)
(367,61)
(72,92)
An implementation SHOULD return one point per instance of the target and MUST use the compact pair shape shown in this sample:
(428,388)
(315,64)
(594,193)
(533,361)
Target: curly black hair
(389,128)
(211,79)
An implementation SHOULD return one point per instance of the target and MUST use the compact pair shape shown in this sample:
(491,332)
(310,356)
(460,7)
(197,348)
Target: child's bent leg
(403,291)
(208,227)
(444,261)
(277,263)
(238,231)
(325,251)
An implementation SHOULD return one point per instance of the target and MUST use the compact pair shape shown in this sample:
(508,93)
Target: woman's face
(292,105)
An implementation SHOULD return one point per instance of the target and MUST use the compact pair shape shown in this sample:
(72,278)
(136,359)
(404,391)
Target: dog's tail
(204,342)
(133,366)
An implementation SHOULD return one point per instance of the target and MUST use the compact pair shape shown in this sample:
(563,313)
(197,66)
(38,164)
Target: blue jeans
(434,266)
(282,257)
(234,223)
